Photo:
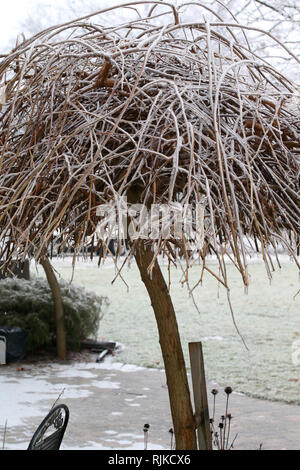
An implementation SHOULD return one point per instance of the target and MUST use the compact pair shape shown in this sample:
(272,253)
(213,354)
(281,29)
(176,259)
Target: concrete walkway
(110,403)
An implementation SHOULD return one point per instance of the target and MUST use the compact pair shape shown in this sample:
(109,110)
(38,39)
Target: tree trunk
(179,392)
(58,308)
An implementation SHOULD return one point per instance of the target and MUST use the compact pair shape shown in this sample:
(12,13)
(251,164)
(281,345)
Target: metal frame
(2,350)
(57,418)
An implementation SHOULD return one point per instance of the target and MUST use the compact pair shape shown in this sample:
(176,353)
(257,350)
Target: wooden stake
(200,396)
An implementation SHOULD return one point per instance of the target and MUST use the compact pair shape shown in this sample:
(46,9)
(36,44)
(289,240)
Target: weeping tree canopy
(165,114)
(163,110)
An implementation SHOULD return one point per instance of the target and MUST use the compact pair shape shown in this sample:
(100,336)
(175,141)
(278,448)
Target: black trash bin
(15,343)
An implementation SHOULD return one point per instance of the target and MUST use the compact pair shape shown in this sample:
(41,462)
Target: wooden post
(200,396)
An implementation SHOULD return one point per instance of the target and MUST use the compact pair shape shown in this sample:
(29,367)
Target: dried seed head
(214,391)
(146,427)
(228,390)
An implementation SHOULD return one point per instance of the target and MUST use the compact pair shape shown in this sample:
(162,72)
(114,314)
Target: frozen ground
(109,404)
(268,318)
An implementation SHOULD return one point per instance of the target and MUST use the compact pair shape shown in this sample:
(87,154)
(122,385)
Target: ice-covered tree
(160,111)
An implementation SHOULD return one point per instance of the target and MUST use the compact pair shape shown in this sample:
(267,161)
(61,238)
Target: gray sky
(13,12)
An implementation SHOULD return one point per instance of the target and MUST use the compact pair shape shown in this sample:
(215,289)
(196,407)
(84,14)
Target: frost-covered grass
(267,317)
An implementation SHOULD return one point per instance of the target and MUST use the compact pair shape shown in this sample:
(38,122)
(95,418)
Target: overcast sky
(12,14)
(15,12)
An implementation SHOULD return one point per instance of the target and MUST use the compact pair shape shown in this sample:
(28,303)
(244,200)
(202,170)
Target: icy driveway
(109,404)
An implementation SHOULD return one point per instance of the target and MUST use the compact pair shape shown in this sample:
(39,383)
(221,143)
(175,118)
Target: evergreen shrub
(29,305)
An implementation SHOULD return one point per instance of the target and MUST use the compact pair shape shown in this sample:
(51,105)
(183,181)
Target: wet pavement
(110,402)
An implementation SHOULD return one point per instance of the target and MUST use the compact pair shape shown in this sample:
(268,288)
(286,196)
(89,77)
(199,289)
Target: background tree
(61,340)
